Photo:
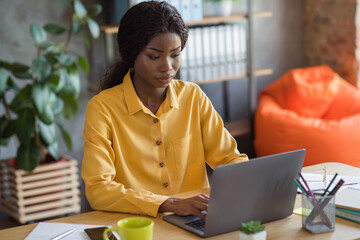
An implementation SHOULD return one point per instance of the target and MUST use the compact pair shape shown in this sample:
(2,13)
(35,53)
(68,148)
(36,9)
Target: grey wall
(278,45)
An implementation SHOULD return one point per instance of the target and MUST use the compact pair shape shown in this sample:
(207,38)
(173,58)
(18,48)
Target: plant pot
(223,8)
(52,189)
(256,236)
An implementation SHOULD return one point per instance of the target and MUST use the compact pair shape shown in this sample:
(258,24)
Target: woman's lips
(165,79)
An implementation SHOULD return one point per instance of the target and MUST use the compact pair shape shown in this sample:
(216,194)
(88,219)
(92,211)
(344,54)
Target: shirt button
(156,120)
(166,184)
(162,164)
(158,142)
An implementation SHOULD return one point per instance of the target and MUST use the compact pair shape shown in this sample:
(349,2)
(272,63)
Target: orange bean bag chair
(311,108)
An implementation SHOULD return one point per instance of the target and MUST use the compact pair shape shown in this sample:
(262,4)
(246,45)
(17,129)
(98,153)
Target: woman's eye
(176,55)
(153,57)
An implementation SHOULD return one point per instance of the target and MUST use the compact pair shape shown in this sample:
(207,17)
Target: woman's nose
(166,65)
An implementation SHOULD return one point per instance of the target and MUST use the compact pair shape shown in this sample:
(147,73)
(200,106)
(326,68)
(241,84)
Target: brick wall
(331,36)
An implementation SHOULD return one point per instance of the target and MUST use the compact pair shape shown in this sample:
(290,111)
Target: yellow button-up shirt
(134,160)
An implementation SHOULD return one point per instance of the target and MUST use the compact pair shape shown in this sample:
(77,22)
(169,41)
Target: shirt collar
(133,102)
(172,96)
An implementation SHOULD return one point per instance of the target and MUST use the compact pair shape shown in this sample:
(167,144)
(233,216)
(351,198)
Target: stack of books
(348,204)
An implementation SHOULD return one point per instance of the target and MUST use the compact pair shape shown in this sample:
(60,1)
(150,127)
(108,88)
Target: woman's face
(158,62)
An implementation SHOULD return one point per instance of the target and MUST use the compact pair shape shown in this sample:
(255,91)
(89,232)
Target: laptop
(261,189)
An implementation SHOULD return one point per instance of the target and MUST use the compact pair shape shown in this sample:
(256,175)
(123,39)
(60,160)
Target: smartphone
(97,233)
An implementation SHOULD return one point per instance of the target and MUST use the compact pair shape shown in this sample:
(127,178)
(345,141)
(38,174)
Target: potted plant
(37,97)
(222,8)
(252,230)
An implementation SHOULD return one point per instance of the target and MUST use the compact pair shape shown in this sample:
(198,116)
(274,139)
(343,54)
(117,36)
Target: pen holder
(318,213)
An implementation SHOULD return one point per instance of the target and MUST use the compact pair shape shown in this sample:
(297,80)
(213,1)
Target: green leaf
(48,46)
(76,26)
(58,106)
(10,129)
(86,40)
(4,122)
(16,105)
(52,99)
(25,125)
(95,10)
(54,28)
(56,82)
(94,28)
(5,65)
(47,132)
(63,78)
(40,96)
(70,106)
(75,81)
(83,63)
(19,67)
(58,47)
(65,59)
(25,93)
(3,80)
(79,8)
(12,84)
(64,3)
(54,150)
(38,33)
(22,75)
(66,136)
(47,116)
(41,68)
(28,155)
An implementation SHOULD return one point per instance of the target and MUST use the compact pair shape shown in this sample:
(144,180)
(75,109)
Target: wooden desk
(288,228)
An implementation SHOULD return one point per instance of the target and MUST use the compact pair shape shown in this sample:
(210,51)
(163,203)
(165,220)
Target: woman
(147,135)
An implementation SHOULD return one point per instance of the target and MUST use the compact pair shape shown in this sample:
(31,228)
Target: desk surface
(288,228)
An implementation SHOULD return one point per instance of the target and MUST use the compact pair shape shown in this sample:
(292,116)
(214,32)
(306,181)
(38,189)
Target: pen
(299,186)
(325,201)
(307,186)
(62,235)
(319,208)
(327,188)
(315,203)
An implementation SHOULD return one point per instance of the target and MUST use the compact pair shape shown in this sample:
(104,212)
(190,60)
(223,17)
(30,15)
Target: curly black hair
(139,25)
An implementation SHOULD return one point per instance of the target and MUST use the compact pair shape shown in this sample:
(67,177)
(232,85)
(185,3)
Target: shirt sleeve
(219,145)
(98,170)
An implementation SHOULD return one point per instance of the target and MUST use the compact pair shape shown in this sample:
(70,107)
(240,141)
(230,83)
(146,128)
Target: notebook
(348,198)
(261,189)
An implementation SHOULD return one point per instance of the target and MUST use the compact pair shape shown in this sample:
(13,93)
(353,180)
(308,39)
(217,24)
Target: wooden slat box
(52,189)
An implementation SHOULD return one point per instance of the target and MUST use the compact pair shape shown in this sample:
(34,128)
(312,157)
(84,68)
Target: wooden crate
(50,190)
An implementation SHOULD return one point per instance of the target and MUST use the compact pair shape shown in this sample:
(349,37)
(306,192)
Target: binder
(176,4)
(196,10)
(185,10)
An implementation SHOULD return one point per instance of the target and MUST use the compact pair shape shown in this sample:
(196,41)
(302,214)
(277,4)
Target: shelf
(232,18)
(239,127)
(112,29)
(257,73)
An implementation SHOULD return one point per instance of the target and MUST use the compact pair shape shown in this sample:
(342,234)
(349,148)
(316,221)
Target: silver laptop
(261,189)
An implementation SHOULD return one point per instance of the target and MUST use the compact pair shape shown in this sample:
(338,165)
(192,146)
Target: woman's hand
(188,206)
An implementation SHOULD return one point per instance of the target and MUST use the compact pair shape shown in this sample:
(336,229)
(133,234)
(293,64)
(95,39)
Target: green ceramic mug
(133,228)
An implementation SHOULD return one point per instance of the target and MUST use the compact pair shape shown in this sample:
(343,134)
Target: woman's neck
(151,97)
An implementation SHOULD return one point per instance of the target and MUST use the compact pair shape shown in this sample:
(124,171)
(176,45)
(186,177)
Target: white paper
(316,181)
(44,231)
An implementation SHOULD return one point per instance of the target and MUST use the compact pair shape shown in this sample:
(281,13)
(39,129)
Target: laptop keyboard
(197,224)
